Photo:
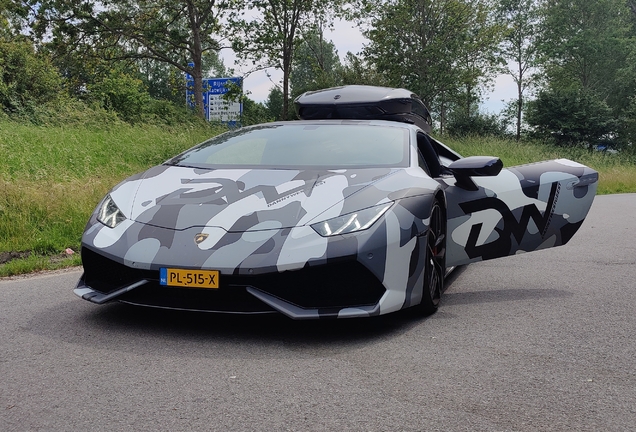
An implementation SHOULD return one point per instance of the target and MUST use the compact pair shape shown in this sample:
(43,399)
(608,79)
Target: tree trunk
(286,67)
(197,54)
(288,52)
(197,75)
(442,115)
(519,103)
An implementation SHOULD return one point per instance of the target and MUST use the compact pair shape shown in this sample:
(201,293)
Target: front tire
(434,260)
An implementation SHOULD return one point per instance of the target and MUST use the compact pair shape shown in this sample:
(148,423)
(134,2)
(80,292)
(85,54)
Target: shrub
(572,117)
(27,79)
(475,125)
(121,93)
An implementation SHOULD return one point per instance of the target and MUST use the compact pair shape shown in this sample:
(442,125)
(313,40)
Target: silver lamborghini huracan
(353,211)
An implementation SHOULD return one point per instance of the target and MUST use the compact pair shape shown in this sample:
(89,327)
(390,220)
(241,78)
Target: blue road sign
(217,108)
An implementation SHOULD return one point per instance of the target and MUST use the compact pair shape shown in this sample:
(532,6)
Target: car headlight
(109,214)
(351,222)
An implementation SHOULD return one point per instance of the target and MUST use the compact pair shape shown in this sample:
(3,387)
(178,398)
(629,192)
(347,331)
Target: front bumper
(293,271)
(339,289)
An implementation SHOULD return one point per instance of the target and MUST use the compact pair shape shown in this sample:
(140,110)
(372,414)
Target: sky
(346,36)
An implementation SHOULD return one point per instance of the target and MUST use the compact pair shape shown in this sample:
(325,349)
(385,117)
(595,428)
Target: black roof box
(360,102)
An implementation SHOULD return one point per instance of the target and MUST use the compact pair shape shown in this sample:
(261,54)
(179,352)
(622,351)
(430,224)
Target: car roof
(344,122)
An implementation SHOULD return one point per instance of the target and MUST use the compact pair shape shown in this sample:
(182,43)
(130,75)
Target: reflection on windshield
(302,145)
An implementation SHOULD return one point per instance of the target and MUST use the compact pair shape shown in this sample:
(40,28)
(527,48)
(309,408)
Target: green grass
(52,177)
(35,263)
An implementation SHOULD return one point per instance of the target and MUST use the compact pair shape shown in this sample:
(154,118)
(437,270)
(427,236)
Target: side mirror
(474,166)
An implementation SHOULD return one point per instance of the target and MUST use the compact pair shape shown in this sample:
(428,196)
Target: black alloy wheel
(435,260)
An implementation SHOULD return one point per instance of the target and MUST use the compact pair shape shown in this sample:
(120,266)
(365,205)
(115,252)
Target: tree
(584,47)
(518,48)
(477,124)
(173,32)
(274,103)
(27,78)
(572,117)
(119,92)
(584,44)
(442,50)
(166,82)
(254,113)
(316,64)
(13,15)
(476,59)
(627,89)
(270,38)
(358,70)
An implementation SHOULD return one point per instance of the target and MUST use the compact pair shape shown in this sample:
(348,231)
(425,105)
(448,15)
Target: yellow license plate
(189,278)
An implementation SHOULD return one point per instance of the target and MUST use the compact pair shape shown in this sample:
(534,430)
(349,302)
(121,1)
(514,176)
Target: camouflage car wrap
(258,222)
(254,226)
(523,209)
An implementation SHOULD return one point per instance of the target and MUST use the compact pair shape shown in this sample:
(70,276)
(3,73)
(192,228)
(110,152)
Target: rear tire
(434,260)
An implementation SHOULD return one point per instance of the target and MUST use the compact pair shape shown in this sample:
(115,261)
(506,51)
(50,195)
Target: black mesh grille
(105,275)
(341,284)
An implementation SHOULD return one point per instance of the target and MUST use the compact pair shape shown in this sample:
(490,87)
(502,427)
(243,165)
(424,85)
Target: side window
(421,162)
(428,153)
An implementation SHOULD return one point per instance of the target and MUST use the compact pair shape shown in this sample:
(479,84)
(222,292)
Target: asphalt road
(542,341)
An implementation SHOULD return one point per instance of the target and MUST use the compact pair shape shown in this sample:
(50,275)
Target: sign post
(216,107)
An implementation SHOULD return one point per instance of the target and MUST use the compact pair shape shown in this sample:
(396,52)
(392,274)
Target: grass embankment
(51,178)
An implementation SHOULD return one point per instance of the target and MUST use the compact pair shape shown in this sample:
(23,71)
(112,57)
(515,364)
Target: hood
(239,200)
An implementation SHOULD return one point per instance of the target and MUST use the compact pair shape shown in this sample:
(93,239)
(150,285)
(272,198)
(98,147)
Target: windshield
(298,145)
